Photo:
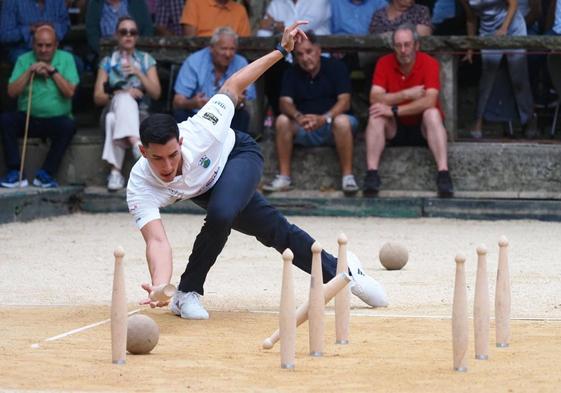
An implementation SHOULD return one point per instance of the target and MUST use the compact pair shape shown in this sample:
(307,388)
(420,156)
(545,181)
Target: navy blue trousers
(59,130)
(234,203)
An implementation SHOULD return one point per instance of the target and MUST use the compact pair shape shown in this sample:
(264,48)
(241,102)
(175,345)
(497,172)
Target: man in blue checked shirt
(20,18)
(204,72)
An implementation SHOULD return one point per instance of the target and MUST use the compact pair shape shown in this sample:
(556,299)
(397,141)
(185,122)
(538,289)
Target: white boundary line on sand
(77,330)
(413,316)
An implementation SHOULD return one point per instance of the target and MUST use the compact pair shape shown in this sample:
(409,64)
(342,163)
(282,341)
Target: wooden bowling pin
(343,297)
(330,289)
(502,296)
(316,300)
(460,317)
(287,316)
(481,307)
(119,311)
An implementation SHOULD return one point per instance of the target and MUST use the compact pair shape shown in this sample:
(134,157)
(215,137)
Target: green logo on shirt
(204,162)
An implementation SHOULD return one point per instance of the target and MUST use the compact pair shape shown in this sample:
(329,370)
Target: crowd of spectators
(309,93)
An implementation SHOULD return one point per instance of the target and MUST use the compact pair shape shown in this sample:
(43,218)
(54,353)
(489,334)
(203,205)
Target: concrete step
(513,169)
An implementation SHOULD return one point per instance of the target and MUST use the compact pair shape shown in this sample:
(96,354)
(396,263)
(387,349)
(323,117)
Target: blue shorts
(322,136)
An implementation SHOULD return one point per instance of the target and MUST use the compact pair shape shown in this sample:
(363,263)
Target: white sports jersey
(207,143)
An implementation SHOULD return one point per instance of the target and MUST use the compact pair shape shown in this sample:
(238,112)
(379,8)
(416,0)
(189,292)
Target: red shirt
(425,72)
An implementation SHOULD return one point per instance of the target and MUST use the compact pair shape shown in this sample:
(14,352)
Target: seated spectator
(405,109)
(102,17)
(201,17)
(315,102)
(281,13)
(54,83)
(353,17)
(399,12)
(204,72)
(501,18)
(20,18)
(168,17)
(125,82)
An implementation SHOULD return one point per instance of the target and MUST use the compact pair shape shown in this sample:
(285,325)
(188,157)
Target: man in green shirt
(54,83)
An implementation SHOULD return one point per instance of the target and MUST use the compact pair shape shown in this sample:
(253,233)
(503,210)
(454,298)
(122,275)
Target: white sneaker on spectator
(188,305)
(348,185)
(115,181)
(365,287)
(279,183)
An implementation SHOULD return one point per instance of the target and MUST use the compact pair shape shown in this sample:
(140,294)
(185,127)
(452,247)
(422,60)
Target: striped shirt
(19,15)
(110,16)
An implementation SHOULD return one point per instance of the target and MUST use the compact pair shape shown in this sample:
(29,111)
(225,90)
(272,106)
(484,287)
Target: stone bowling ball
(393,256)
(142,334)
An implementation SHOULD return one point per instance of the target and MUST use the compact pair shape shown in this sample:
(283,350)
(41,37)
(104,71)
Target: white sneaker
(279,183)
(365,287)
(188,305)
(115,181)
(348,185)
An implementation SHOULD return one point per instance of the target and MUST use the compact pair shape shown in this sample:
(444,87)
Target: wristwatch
(281,49)
(54,71)
(394,111)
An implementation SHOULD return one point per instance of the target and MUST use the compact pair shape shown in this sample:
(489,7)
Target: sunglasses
(127,32)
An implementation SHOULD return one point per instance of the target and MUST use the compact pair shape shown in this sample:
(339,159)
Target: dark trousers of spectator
(233,203)
(59,130)
(240,121)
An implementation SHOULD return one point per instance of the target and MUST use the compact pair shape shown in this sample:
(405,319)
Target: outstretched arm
(237,83)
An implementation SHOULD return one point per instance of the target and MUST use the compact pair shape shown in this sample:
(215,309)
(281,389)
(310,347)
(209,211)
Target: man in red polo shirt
(404,109)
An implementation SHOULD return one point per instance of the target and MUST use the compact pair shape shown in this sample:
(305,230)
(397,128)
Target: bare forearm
(289,109)
(512,7)
(16,87)
(152,87)
(416,107)
(341,106)
(388,98)
(182,102)
(159,257)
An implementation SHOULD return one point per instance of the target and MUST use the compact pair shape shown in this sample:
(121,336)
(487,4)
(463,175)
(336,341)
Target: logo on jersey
(204,161)
(210,117)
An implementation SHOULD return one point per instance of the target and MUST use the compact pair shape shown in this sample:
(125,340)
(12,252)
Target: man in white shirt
(203,159)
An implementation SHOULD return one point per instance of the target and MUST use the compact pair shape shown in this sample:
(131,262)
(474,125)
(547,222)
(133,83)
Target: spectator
(501,18)
(405,109)
(353,16)
(168,17)
(125,81)
(314,103)
(399,12)
(20,18)
(531,10)
(202,17)
(102,17)
(54,83)
(281,13)
(204,72)
(448,18)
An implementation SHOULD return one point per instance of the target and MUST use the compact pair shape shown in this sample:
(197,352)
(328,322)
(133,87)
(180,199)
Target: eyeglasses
(127,32)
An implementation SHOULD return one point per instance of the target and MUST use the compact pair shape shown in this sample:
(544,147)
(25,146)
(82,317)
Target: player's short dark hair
(158,128)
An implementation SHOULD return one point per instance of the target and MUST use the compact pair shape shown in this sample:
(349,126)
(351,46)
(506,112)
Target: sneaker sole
(23,184)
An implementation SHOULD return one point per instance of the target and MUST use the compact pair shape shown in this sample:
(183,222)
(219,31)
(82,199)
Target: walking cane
(24,147)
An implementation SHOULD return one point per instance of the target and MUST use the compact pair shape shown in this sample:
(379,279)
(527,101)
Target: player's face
(308,56)
(223,51)
(405,47)
(165,160)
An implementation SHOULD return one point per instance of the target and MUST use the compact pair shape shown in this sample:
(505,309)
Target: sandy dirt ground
(57,276)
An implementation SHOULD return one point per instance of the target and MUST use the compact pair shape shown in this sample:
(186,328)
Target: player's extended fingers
(146,286)
(296,24)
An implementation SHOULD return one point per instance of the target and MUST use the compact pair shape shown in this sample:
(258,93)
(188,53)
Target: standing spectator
(125,81)
(399,12)
(168,17)
(405,109)
(204,72)
(102,17)
(500,18)
(202,17)
(20,18)
(54,83)
(531,10)
(281,13)
(314,103)
(353,16)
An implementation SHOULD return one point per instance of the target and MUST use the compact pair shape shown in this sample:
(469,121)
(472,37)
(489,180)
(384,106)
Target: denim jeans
(59,130)
(233,203)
